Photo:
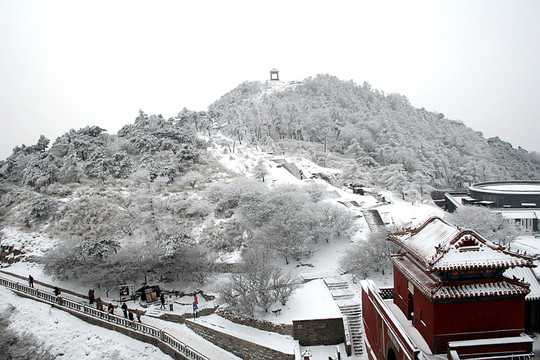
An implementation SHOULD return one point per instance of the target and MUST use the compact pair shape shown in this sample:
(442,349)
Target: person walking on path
(57,293)
(131,316)
(162,298)
(99,304)
(138,313)
(171,303)
(125,309)
(110,310)
(91,296)
(30,281)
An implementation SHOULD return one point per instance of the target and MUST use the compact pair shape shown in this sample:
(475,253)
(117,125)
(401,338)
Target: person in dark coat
(131,316)
(30,281)
(110,309)
(56,291)
(91,296)
(162,298)
(125,309)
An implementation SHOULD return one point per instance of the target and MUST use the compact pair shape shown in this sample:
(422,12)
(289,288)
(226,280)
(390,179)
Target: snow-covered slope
(308,301)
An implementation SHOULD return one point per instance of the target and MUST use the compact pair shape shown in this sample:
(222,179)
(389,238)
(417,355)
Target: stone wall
(182,318)
(9,255)
(283,329)
(319,332)
(239,347)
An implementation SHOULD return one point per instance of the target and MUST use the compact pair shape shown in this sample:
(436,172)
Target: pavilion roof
(440,246)
(431,286)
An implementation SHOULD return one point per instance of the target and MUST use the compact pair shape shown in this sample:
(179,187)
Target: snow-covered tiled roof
(426,283)
(479,290)
(440,246)
(527,214)
(431,286)
(527,274)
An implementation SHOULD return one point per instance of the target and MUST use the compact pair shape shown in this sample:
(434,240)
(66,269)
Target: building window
(410,286)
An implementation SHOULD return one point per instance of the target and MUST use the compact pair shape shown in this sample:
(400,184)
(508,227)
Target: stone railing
(166,342)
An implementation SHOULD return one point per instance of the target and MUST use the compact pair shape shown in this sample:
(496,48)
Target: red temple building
(450,299)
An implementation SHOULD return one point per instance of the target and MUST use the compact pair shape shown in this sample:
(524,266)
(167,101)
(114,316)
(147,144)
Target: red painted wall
(377,331)
(478,319)
(400,290)
(423,309)
(442,322)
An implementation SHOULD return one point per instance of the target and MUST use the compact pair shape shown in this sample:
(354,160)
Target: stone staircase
(374,220)
(339,289)
(351,310)
(353,315)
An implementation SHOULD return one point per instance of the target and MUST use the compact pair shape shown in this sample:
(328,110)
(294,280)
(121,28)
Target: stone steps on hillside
(350,309)
(373,219)
(353,316)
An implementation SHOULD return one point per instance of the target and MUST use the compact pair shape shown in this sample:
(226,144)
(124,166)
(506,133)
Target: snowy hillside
(323,263)
(400,146)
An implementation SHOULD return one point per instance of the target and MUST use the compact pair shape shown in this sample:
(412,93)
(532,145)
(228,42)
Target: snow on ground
(34,244)
(528,243)
(531,245)
(272,340)
(310,300)
(70,338)
(402,214)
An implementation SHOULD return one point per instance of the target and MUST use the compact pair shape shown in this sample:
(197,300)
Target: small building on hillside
(274,75)
(515,200)
(451,298)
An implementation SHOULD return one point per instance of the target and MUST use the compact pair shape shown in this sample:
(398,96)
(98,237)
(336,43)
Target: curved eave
(482,265)
(494,289)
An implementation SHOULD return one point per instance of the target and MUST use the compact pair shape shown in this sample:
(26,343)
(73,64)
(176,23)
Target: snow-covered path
(24,312)
(69,337)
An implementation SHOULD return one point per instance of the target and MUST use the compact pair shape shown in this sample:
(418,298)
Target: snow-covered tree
(40,171)
(260,171)
(487,223)
(257,284)
(191,178)
(369,255)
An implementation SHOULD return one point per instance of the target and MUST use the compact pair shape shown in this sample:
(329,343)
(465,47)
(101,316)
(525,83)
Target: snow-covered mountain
(386,137)
(258,183)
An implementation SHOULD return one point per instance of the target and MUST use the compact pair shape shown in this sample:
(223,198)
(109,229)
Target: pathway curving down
(169,344)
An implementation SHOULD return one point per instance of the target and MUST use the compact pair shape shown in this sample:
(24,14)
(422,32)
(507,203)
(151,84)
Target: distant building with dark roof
(515,200)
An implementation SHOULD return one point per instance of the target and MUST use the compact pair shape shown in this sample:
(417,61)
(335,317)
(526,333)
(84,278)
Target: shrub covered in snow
(257,285)
(368,256)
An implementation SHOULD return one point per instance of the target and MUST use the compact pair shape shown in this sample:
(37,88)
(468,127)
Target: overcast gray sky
(68,64)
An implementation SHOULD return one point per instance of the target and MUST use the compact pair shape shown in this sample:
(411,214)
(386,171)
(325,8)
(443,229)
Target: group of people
(169,301)
(128,314)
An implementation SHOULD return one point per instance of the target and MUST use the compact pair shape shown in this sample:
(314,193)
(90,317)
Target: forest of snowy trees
(403,148)
(153,201)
